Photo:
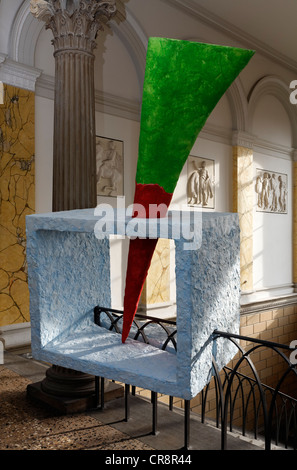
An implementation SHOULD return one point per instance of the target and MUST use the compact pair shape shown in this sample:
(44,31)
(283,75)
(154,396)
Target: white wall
(273,243)
(273,235)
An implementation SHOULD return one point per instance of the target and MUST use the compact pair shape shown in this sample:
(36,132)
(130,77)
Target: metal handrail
(274,411)
(141,322)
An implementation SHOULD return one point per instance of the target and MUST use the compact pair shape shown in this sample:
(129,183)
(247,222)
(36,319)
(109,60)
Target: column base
(69,391)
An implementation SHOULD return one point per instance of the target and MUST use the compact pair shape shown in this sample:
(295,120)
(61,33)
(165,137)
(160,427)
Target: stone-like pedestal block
(69,274)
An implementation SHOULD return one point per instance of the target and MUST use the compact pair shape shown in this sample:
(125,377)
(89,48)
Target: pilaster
(243,199)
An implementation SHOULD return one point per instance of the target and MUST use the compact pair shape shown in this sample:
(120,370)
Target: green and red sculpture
(183,83)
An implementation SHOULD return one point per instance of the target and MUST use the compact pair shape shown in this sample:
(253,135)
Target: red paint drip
(150,201)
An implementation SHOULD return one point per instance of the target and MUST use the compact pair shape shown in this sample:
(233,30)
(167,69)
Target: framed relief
(201,182)
(109,167)
(271,192)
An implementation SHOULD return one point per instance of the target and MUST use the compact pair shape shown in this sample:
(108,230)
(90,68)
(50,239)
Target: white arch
(133,37)
(273,85)
(238,105)
(24,35)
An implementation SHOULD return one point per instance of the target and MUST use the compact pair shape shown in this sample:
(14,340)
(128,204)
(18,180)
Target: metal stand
(99,393)
(187,424)
(127,408)
(154,397)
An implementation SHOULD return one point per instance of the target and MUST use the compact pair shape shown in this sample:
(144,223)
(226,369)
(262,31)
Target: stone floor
(28,425)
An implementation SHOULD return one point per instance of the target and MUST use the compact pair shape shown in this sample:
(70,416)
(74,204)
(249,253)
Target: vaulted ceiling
(268,24)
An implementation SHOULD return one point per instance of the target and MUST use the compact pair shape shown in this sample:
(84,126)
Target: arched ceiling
(266,24)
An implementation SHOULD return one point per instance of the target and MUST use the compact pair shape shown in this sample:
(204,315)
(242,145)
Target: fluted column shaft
(74,179)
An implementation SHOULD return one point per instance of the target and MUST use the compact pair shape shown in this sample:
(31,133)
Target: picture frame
(271,190)
(200,182)
(109,167)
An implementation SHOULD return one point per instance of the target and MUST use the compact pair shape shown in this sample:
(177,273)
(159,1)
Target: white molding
(117,106)
(24,35)
(272,149)
(269,294)
(247,140)
(19,75)
(215,133)
(238,105)
(45,86)
(243,139)
(15,336)
(104,102)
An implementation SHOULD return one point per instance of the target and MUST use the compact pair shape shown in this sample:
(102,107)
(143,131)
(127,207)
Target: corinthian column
(75,24)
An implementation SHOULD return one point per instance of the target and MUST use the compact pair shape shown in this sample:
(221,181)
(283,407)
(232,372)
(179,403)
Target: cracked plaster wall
(17,199)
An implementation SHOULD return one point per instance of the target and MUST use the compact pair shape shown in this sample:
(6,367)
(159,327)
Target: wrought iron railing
(150,330)
(243,402)
(271,410)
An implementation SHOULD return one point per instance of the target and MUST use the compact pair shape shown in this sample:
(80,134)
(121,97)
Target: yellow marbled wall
(156,289)
(17,190)
(243,203)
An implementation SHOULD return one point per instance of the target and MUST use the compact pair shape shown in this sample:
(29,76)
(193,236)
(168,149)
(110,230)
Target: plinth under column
(70,391)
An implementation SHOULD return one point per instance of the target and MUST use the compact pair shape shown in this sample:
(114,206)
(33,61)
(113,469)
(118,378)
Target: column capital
(74,23)
(243,139)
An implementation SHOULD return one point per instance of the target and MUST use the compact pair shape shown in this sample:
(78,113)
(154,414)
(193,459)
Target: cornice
(215,133)
(243,139)
(117,106)
(17,74)
(191,8)
(104,102)
(273,149)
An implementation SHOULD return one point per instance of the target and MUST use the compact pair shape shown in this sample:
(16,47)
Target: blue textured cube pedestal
(69,274)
